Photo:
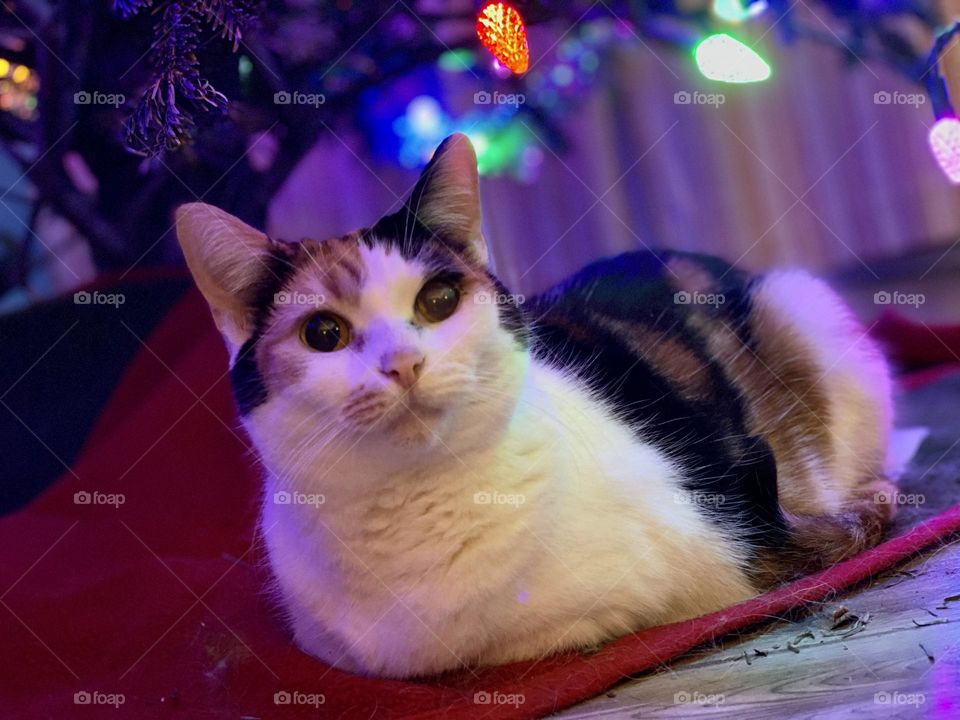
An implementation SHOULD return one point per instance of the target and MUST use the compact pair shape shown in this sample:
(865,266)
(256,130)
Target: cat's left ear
(446,199)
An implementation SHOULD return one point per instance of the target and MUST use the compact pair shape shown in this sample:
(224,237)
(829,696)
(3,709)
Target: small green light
(458,60)
(244,67)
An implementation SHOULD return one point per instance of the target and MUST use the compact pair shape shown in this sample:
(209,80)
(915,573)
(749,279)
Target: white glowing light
(425,116)
(726,59)
(945,144)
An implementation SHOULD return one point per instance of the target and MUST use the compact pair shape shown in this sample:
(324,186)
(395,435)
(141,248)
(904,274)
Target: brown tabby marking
(790,409)
(690,275)
(339,263)
(784,404)
(685,370)
(328,270)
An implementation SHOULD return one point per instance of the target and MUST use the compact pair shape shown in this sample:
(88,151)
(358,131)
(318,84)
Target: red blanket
(137,581)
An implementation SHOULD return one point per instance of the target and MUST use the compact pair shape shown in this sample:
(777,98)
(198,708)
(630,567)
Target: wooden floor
(900,660)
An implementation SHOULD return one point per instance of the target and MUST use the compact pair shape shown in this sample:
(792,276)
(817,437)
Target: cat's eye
(438,299)
(325,332)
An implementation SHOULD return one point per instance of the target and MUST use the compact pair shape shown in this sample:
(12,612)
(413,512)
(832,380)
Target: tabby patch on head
(378,332)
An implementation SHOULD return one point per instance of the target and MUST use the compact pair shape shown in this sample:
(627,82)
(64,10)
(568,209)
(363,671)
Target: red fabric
(162,599)
(916,345)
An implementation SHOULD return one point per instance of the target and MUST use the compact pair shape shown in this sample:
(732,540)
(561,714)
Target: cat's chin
(414,424)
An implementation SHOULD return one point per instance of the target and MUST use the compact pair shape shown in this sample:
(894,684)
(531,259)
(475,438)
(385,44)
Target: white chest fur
(564,532)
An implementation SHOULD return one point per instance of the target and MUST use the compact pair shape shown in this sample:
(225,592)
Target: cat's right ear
(446,198)
(226,257)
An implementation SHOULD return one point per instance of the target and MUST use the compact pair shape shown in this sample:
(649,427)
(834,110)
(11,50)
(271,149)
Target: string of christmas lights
(213,80)
(721,57)
(525,87)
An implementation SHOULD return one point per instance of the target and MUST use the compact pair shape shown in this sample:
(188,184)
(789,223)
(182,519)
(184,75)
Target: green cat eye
(438,299)
(325,332)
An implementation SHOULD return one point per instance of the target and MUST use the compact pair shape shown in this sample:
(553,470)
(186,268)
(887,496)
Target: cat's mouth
(419,407)
(411,412)
(393,415)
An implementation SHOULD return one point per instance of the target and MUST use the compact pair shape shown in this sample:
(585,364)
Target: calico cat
(454,477)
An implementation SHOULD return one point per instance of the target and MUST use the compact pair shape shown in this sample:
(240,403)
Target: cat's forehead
(349,269)
(335,266)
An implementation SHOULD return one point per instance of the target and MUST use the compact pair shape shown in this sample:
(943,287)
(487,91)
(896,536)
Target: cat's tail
(818,541)
(825,406)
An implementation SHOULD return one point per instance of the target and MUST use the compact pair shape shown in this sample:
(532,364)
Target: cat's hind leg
(825,406)
(832,375)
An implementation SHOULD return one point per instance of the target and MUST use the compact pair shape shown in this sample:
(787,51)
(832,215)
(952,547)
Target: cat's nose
(402,366)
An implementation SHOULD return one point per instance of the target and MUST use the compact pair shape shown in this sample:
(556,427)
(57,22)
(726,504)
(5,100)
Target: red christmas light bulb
(502,31)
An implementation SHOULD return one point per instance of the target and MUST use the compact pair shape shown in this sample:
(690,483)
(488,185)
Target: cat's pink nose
(402,366)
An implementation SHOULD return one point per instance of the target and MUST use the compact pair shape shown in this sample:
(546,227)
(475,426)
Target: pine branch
(164,118)
(128,8)
(230,17)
